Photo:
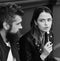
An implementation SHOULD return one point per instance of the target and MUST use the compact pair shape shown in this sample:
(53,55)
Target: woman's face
(44,21)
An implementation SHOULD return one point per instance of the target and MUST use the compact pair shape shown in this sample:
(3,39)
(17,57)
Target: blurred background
(28,6)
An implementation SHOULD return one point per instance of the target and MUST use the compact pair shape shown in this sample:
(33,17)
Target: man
(10,23)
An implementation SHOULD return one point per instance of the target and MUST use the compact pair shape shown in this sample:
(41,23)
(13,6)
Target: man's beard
(12,37)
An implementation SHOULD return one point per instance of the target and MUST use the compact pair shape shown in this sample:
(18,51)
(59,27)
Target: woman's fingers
(48,46)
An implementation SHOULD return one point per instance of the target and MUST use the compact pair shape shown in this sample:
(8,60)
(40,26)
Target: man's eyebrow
(19,23)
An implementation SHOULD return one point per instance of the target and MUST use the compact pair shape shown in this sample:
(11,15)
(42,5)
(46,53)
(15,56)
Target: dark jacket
(4,50)
(29,51)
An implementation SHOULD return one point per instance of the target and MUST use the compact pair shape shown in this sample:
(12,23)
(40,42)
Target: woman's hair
(35,30)
(7,13)
(37,12)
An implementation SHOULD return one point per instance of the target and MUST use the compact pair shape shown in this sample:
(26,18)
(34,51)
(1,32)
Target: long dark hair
(36,13)
(35,30)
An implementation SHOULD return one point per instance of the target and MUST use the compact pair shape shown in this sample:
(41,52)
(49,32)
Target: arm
(48,50)
(25,54)
(28,51)
(1,57)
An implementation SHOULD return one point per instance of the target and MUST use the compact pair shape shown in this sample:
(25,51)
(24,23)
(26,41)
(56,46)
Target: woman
(37,44)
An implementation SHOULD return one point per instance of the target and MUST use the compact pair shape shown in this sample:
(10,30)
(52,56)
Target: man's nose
(20,27)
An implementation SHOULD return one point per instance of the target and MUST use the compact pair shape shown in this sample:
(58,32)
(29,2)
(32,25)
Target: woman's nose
(46,22)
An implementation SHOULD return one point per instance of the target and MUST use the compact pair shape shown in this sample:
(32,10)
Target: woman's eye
(49,19)
(42,20)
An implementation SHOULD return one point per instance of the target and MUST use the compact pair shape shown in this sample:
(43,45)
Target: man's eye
(18,23)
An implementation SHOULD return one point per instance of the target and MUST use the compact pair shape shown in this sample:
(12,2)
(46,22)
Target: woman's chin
(46,31)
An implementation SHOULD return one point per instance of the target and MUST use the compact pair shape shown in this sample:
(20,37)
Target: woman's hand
(48,47)
(47,50)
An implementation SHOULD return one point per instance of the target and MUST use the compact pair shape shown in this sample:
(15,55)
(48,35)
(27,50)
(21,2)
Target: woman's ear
(6,26)
(35,22)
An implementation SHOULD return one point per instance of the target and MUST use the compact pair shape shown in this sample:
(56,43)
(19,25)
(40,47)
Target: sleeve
(1,57)
(50,58)
(25,53)
(51,55)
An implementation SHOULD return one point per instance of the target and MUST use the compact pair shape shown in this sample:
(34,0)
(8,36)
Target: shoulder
(26,36)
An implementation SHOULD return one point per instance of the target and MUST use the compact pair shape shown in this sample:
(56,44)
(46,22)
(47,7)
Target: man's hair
(7,13)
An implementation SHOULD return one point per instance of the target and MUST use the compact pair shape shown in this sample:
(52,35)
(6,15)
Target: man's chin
(12,37)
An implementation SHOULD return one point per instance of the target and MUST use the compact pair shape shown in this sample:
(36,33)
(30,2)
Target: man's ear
(6,26)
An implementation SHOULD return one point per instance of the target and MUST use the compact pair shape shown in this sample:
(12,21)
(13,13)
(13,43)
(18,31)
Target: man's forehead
(18,18)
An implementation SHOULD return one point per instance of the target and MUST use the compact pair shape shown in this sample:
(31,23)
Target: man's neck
(3,35)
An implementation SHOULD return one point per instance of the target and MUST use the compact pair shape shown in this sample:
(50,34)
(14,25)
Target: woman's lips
(46,27)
